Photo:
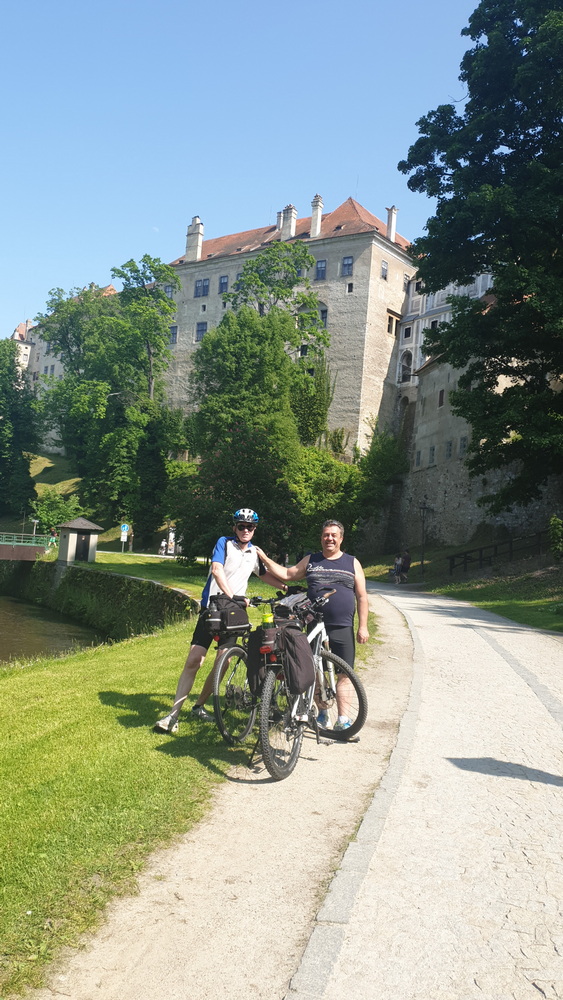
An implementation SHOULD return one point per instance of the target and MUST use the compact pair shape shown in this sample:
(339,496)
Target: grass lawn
(88,790)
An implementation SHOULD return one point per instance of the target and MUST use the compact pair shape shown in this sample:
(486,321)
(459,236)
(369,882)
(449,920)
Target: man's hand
(362,635)
(260,551)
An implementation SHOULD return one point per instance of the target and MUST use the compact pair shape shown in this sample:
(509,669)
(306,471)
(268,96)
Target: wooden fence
(509,549)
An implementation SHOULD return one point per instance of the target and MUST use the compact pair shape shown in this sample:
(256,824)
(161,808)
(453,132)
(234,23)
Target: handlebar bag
(226,616)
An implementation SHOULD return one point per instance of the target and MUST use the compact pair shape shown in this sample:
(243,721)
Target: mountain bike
(335,693)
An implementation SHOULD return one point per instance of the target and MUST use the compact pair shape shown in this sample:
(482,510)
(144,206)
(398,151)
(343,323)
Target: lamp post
(424,510)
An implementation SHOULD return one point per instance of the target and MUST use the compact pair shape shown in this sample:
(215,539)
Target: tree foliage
(109,408)
(383,464)
(51,508)
(18,429)
(496,170)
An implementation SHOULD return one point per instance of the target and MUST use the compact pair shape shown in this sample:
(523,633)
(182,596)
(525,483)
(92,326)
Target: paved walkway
(453,889)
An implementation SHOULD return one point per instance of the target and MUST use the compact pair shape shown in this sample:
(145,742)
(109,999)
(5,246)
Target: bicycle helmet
(246,514)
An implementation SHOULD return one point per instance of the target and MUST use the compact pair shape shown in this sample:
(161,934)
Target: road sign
(125,528)
(123,536)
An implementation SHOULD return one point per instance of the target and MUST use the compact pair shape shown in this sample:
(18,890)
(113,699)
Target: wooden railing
(509,549)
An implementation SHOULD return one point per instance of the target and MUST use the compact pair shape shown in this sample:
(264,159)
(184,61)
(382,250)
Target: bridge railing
(20,538)
(509,549)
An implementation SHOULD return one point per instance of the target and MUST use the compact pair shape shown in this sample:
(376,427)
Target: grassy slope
(527,592)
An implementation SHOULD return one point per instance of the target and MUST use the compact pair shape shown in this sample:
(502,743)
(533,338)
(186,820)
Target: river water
(28,630)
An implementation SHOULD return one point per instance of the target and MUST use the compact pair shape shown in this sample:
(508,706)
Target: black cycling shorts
(342,642)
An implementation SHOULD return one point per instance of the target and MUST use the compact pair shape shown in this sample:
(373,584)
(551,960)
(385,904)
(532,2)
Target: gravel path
(454,887)
(227,912)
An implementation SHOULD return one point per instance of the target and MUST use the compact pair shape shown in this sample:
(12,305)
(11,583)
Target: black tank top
(339,574)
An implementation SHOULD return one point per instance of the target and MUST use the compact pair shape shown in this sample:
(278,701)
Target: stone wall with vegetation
(119,606)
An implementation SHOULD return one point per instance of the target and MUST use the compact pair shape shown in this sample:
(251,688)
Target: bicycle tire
(356,703)
(281,735)
(234,706)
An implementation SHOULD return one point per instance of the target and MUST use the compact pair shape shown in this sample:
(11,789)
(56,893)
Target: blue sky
(121,120)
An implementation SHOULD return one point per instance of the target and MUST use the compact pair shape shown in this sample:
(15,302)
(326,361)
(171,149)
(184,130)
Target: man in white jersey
(233,561)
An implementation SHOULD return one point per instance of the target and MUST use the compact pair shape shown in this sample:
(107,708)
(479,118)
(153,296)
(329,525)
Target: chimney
(316,216)
(391,223)
(194,239)
(279,217)
(288,222)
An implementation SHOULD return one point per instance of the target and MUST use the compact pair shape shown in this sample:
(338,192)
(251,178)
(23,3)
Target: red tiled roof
(348,219)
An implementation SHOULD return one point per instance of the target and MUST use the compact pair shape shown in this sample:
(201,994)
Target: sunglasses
(246,527)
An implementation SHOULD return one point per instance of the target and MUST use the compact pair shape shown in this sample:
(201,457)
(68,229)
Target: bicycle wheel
(343,695)
(233,705)
(280,734)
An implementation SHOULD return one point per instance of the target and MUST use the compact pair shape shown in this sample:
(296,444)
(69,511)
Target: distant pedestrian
(162,549)
(53,538)
(405,566)
(397,566)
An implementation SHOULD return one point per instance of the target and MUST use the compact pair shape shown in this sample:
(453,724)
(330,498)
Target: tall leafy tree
(495,167)
(109,408)
(18,432)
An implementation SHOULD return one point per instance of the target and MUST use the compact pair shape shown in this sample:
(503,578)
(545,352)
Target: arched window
(406,367)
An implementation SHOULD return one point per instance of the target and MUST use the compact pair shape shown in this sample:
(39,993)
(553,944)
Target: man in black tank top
(334,569)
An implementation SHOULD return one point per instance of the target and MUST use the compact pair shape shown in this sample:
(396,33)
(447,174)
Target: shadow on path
(505,769)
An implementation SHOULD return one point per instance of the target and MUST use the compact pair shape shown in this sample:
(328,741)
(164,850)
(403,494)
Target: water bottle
(267,616)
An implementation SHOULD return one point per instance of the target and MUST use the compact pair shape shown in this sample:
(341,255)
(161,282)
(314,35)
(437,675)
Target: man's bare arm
(285,573)
(362,634)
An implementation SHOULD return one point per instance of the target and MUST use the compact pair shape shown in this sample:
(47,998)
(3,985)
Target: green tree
(324,487)
(109,408)
(384,463)
(496,170)
(18,432)
(311,395)
(51,508)
(276,279)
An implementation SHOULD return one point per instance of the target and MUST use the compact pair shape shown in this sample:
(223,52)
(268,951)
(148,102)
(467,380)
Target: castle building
(361,274)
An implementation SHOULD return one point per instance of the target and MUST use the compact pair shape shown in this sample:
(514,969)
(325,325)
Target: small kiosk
(77,541)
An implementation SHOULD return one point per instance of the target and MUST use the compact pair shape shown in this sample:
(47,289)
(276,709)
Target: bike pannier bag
(226,617)
(255,663)
(300,665)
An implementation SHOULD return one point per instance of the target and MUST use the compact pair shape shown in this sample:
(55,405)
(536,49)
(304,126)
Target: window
(350,286)
(200,330)
(347,265)
(173,335)
(384,269)
(406,366)
(168,291)
(324,317)
(303,351)
(35,376)
(48,347)
(223,284)
(407,333)
(434,324)
(418,286)
(417,459)
(406,280)
(431,454)
(201,288)
(462,446)
(46,370)
(52,372)
(299,272)
(391,324)
(449,449)
(204,308)
(441,398)
(320,273)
